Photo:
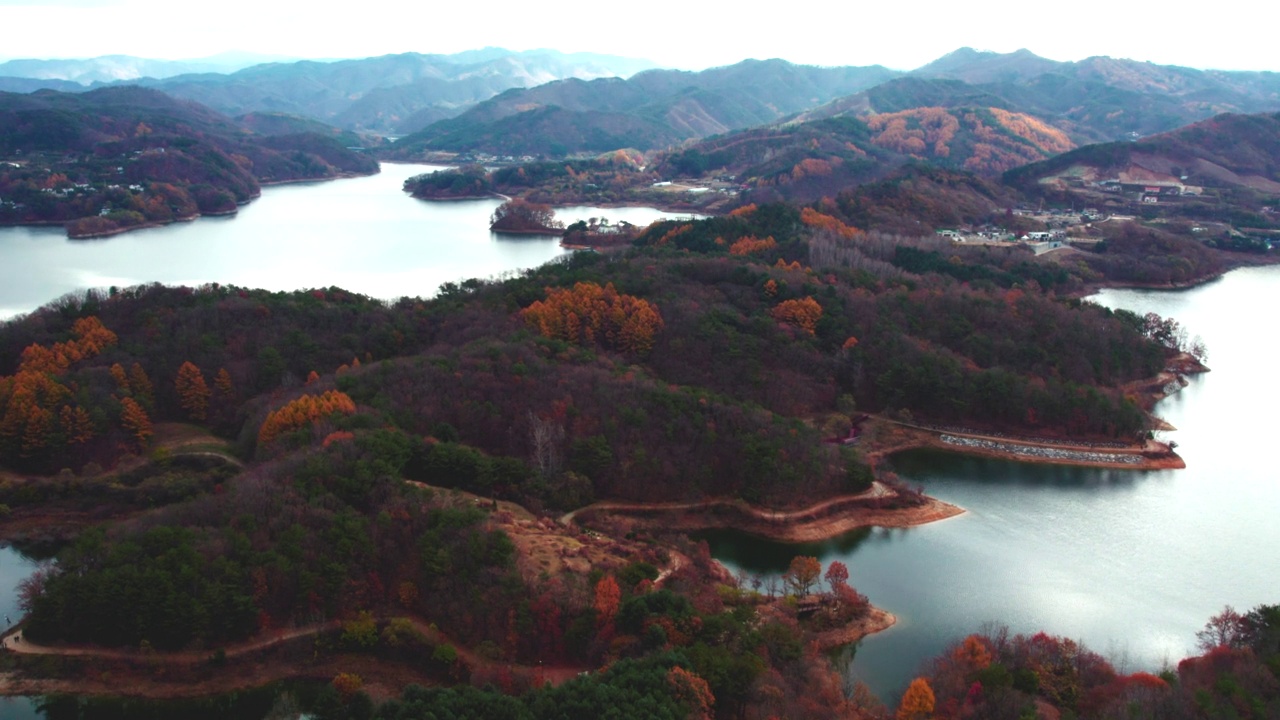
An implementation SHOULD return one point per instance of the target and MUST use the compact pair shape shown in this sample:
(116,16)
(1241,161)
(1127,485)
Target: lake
(362,234)
(1131,563)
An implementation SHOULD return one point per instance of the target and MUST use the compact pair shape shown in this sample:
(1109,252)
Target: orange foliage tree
(193,393)
(135,421)
(803,572)
(821,221)
(587,314)
(803,313)
(749,245)
(693,692)
(304,411)
(222,381)
(34,402)
(917,702)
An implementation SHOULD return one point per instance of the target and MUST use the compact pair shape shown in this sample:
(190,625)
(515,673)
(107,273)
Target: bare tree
(547,436)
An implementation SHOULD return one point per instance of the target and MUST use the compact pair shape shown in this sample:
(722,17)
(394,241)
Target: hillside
(661,106)
(110,159)
(1226,170)
(1095,100)
(806,160)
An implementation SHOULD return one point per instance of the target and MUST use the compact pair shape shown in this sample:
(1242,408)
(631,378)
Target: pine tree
(135,421)
(193,393)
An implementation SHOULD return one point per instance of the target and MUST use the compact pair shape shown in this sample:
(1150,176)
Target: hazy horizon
(235,57)
(667,33)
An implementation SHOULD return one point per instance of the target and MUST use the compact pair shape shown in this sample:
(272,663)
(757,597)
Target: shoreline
(820,521)
(1234,261)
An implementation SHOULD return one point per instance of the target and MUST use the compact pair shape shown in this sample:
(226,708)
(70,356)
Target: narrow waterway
(362,234)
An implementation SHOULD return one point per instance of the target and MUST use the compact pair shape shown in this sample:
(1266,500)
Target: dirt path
(877,489)
(14,641)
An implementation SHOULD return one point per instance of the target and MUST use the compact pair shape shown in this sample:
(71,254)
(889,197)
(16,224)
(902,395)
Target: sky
(1225,34)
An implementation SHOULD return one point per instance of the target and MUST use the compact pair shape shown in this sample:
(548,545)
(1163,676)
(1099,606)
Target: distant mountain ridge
(651,110)
(123,68)
(1096,99)
(391,94)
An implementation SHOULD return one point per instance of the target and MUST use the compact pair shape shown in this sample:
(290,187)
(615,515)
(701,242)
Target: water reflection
(1131,563)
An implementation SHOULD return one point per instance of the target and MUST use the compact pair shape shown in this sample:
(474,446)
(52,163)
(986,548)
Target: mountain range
(1095,100)
(388,95)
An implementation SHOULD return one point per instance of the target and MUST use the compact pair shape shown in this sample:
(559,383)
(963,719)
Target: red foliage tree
(837,575)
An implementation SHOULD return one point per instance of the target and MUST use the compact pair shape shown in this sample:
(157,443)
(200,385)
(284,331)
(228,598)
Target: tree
(1226,629)
(135,421)
(193,393)
(304,411)
(692,692)
(803,313)
(608,599)
(517,215)
(917,702)
(589,314)
(803,572)
(140,386)
(837,575)
(222,381)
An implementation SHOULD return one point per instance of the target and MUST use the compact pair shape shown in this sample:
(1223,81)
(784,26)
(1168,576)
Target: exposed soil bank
(879,507)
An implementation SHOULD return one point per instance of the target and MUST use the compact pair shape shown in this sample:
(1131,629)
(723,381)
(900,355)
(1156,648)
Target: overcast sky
(1225,34)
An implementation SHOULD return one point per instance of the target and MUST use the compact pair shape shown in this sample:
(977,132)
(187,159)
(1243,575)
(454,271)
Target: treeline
(996,676)
(615,177)
(114,158)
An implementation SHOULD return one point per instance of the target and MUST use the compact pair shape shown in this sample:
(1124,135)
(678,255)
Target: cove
(1130,563)
(361,234)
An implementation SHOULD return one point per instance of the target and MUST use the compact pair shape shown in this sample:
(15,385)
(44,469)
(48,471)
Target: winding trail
(11,643)
(877,490)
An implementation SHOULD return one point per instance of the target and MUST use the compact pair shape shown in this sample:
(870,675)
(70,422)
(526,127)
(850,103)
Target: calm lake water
(1131,563)
(363,234)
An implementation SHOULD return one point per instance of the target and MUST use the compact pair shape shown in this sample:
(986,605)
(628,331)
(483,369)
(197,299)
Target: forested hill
(651,110)
(1226,151)
(807,160)
(114,158)
(1096,99)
